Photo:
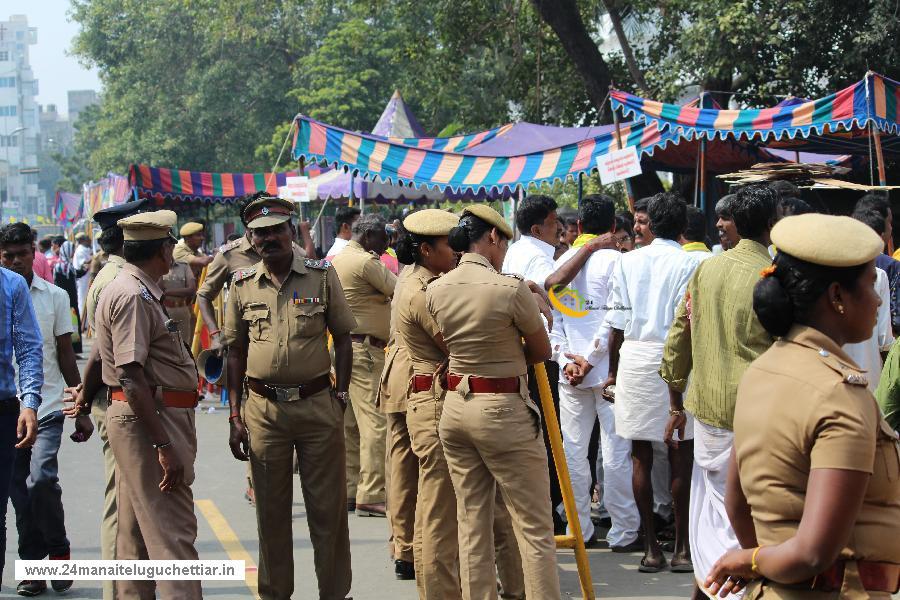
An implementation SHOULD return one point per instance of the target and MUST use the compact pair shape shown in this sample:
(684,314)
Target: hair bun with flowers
(768,271)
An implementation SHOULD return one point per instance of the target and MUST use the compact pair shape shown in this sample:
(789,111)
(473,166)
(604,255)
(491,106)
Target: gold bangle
(753,564)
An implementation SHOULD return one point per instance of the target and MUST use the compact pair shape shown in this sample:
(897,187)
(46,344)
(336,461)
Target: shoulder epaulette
(145,293)
(514,276)
(242,274)
(312,263)
(230,245)
(425,282)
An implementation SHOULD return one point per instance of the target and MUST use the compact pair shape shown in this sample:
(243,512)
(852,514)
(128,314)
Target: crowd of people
(717,402)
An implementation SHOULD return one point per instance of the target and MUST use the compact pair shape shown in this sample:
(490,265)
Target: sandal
(652,568)
(682,566)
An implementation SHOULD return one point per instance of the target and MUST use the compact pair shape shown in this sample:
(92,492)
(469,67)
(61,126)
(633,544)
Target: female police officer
(489,428)
(814,482)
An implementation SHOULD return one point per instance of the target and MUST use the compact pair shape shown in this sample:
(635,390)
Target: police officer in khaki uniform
(92,398)
(187,250)
(152,384)
(402,469)
(423,243)
(369,287)
(814,480)
(490,429)
(180,285)
(275,325)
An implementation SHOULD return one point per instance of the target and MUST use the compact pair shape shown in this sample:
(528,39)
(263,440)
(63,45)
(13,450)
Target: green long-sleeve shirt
(888,392)
(716,339)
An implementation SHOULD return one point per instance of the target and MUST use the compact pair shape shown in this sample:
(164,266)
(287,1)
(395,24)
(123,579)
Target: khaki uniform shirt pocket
(308,320)
(258,321)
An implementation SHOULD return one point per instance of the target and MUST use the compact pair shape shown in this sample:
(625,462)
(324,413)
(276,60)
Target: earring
(840,308)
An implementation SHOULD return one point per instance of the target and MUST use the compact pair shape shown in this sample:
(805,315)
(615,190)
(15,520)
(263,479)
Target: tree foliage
(214,84)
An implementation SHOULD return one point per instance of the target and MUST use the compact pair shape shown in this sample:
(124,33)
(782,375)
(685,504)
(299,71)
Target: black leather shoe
(404,570)
(61,586)
(351,505)
(31,588)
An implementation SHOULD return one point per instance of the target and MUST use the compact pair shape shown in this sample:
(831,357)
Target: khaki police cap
(431,221)
(144,227)
(486,213)
(190,228)
(267,211)
(827,240)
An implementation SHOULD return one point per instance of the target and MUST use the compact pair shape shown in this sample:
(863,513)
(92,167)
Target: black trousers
(553,377)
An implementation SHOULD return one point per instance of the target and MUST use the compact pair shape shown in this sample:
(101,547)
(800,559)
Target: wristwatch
(343,396)
(676,413)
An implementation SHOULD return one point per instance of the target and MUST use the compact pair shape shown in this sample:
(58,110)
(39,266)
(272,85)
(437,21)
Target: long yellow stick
(575,541)
(198,327)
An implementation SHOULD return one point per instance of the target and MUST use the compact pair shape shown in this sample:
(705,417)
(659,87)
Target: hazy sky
(55,70)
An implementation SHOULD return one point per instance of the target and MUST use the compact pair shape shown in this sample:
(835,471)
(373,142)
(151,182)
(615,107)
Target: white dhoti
(81,286)
(578,411)
(642,397)
(710,530)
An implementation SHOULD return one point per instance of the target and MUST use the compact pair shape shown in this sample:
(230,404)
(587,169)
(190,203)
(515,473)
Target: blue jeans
(37,496)
(9,416)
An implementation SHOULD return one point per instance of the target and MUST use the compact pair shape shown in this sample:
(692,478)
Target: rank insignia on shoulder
(230,245)
(312,263)
(145,293)
(514,276)
(856,379)
(241,274)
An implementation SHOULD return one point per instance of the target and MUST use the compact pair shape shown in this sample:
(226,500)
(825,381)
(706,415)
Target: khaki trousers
(108,518)
(153,525)
(495,439)
(436,539)
(366,433)
(185,317)
(402,486)
(311,429)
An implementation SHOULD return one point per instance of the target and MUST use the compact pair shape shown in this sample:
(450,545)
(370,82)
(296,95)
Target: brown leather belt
(171,398)
(485,385)
(421,383)
(176,302)
(279,393)
(874,576)
(373,341)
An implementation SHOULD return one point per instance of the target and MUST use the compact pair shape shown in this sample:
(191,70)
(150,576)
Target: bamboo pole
(879,156)
(575,541)
(198,326)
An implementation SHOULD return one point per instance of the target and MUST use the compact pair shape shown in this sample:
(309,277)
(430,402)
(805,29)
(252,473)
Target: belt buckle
(283,394)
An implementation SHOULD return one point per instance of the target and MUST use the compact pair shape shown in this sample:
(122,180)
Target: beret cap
(144,227)
(827,240)
(488,214)
(190,228)
(430,221)
(108,217)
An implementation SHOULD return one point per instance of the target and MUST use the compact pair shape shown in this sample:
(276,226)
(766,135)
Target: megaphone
(211,365)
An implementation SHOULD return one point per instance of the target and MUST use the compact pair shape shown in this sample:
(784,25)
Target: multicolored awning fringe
(837,123)
(200,186)
(427,162)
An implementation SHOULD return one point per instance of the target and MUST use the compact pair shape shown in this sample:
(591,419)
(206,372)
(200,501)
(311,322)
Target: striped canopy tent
(199,186)
(840,123)
(501,159)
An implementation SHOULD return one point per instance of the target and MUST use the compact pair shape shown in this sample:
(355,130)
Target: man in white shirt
(584,361)
(647,286)
(35,491)
(344,218)
(82,257)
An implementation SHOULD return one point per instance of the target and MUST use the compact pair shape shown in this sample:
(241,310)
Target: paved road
(227,529)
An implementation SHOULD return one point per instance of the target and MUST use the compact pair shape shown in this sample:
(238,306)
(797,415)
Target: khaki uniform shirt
(182,253)
(369,287)
(415,325)
(179,276)
(394,387)
(235,255)
(283,328)
(483,316)
(132,328)
(109,272)
(804,405)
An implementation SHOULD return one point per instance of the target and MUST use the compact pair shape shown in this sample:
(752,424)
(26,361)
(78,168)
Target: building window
(9,141)
(4,56)
(7,82)
(8,111)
